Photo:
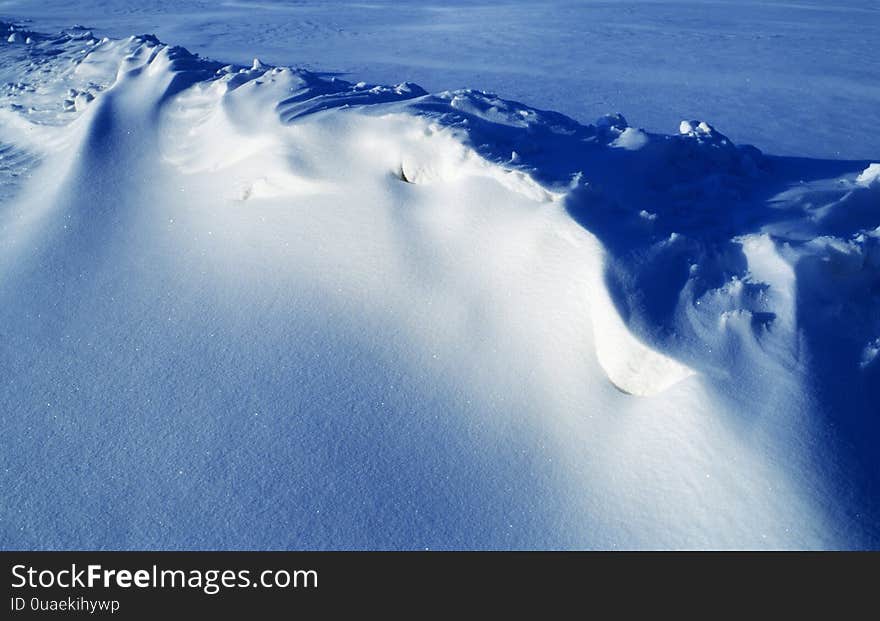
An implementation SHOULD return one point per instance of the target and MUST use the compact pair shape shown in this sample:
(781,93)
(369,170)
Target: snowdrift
(259,307)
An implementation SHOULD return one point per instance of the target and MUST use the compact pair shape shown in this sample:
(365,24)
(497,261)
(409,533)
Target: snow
(767,72)
(252,306)
(869,177)
(631,138)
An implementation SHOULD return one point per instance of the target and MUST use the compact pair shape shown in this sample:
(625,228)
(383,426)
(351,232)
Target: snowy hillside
(260,307)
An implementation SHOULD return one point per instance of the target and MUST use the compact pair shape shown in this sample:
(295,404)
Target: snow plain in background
(795,78)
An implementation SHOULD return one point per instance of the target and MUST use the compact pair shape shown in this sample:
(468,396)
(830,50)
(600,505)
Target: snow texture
(253,306)
(795,78)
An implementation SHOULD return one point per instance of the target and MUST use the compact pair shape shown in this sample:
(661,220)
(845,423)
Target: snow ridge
(676,320)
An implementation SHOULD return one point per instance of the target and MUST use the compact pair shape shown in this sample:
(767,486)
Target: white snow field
(796,77)
(258,307)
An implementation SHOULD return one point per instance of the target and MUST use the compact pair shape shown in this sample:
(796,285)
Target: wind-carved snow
(631,366)
(272,309)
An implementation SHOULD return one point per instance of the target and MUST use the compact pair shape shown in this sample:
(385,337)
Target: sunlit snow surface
(258,307)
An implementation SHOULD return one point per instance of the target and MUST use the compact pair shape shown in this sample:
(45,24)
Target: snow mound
(869,177)
(260,307)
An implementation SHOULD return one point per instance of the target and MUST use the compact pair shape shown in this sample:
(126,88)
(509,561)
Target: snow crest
(444,320)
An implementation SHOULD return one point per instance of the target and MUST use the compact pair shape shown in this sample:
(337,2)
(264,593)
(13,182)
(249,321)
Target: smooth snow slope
(255,307)
(798,78)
